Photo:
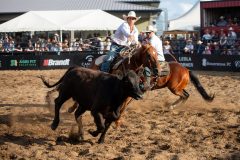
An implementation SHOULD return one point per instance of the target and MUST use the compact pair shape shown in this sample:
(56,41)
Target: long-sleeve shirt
(157,44)
(123,32)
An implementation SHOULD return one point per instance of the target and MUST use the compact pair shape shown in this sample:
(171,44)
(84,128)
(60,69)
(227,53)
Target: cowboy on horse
(156,42)
(125,35)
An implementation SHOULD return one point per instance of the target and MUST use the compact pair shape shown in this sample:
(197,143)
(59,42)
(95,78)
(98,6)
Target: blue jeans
(113,53)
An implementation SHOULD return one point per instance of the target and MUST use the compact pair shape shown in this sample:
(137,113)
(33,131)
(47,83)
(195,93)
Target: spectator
(65,46)
(206,38)
(207,49)
(167,49)
(6,44)
(11,44)
(56,37)
(48,45)
(223,39)
(18,48)
(231,37)
(108,44)
(189,47)
(216,48)
(230,21)
(224,51)
(101,44)
(222,22)
(200,47)
(214,36)
(235,21)
(30,47)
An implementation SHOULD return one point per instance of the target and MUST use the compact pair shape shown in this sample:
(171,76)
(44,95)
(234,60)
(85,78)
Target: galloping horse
(176,81)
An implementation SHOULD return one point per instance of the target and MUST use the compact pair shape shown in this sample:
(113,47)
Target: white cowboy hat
(150,28)
(199,42)
(230,29)
(131,14)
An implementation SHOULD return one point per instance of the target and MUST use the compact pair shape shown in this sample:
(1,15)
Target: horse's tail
(200,88)
(46,83)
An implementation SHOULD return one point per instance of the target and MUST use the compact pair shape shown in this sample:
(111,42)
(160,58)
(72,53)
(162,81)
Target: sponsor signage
(206,62)
(87,61)
(186,61)
(23,63)
(84,59)
(52,62)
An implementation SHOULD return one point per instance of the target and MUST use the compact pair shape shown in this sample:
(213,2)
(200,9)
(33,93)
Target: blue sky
(177,8)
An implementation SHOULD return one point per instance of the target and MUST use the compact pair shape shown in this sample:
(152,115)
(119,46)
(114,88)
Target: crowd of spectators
(212,42)
(53,44)
(222,37)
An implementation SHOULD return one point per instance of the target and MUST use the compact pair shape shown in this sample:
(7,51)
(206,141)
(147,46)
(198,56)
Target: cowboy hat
(199,42)
(230,29)
(131,14)
(150,28)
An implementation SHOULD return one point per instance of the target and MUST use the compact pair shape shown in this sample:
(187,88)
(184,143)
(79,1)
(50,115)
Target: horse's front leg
(118,122)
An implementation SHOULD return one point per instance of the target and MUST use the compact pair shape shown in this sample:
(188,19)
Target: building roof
(18,6)
(138,0)
(220,3)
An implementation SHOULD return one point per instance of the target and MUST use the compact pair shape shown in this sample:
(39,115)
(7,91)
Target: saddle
(124,54)
(165,69)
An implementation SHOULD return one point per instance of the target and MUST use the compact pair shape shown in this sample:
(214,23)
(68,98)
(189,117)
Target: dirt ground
(197,130)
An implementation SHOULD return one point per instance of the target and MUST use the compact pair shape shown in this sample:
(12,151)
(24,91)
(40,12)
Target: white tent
(187,21)
(81,20)
(97,20)
(29,21)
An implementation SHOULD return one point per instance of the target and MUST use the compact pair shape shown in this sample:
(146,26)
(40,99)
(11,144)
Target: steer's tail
(200,88)
(46,83)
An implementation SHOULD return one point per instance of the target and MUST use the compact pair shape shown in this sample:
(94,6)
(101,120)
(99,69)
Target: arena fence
(53,60)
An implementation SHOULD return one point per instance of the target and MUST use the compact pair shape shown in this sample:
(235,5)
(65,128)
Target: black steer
(99,92)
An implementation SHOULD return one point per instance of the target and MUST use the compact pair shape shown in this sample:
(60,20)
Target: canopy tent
(81,20)
(98,20)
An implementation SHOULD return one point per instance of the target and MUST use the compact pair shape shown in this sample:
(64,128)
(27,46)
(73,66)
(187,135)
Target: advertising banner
(84,59)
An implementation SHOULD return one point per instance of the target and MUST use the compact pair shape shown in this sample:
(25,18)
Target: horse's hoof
(118,123)
(93,133)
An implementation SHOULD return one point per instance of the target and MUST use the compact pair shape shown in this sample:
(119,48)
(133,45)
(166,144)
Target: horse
(176,81)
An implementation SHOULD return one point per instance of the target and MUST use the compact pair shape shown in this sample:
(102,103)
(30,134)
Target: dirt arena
(197,130)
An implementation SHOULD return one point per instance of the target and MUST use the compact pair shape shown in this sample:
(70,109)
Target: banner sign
(66,59)
(208,62)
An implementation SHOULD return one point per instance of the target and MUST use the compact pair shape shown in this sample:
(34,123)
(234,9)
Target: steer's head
(131,85)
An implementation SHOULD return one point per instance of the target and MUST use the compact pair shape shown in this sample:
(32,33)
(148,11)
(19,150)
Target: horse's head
(149,58)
